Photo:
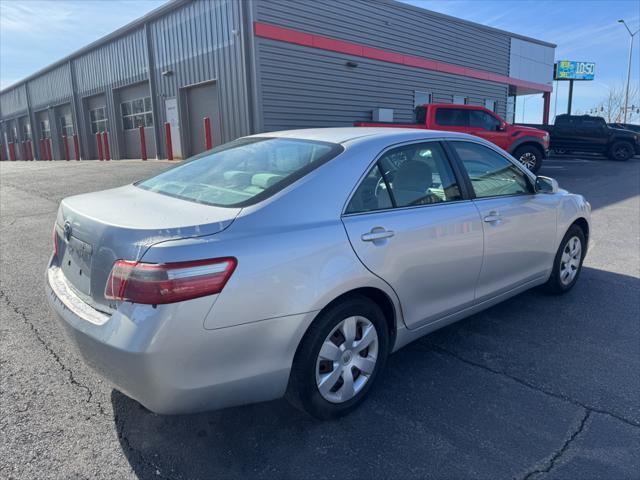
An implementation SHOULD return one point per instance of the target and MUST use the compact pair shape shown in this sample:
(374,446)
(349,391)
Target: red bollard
(167,136)
(105,141)
(43,151)
(23,150)
(65,144)
(76,147)
(12,152)
(143,144)
(99,143)
(207,134)
(49,146)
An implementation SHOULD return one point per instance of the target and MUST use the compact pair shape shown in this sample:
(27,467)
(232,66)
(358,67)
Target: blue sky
(34,33)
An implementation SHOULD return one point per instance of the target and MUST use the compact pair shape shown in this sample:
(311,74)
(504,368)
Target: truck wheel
(530,156)
(621,151)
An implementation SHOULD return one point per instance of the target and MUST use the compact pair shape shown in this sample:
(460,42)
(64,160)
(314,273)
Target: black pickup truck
(584,133)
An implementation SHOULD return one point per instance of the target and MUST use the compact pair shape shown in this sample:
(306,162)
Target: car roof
(343,135)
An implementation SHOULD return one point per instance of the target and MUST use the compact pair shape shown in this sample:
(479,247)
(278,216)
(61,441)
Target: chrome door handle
(377,233)
(492,217)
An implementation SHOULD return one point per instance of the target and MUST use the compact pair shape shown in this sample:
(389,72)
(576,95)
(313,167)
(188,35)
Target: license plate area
(76,264)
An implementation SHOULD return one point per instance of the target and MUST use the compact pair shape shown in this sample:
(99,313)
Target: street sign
(572,70)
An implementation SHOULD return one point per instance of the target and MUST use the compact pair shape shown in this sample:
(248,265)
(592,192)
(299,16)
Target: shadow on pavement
(601,181)
(446,406)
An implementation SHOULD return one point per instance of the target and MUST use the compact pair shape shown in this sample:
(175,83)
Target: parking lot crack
(530,385)
(53,354)
(554,458)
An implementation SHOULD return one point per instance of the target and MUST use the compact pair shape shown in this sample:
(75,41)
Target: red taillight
(154,283)
(55,240)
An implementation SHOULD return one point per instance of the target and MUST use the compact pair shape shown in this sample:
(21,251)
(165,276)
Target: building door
(173,118)
(134,107)
(202,101)
(98,122)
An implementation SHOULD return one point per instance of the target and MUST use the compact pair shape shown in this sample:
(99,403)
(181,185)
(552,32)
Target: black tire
(621,151)
(555,284)
(302,390)
(530,156)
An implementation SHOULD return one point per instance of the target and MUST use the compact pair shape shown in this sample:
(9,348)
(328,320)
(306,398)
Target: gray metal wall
(199,42)
(194,41)
(303,87)
(260,84)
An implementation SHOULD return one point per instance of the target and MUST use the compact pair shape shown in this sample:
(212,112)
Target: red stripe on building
(288,35)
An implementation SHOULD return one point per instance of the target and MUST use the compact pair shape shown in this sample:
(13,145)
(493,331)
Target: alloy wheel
(528,159)
(620,152)
(570,260)
(347,359)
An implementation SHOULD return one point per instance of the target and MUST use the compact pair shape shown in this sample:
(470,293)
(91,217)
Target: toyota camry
(293,263)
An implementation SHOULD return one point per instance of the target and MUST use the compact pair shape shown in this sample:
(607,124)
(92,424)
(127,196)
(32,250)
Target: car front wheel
(339,358)
(568,261)
(530,156)
(621,151)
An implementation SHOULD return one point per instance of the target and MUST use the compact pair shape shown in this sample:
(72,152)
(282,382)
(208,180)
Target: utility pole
(626,95)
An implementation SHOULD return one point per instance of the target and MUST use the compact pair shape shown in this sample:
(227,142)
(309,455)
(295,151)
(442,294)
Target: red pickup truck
(529,145)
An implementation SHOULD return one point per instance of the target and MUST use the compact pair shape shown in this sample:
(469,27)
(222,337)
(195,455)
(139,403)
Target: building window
(490,104)
(136,113)
(44,128)
(66,125)
(26,131)
(13,134)
(460,100)
(98,120)
(421,98)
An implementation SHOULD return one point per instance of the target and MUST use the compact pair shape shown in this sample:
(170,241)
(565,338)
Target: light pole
(626,95)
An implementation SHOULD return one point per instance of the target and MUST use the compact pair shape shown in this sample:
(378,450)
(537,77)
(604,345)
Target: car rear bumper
(164,358)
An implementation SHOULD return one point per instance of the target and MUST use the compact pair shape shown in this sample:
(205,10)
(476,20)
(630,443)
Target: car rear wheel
(530,156)
(339,358)
(568,261)
(621,151)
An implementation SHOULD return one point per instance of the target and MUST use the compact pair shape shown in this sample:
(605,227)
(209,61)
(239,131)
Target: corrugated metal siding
(198,42)
(115,64)
(52,87)
(304,87)
(393,27)
(13,101)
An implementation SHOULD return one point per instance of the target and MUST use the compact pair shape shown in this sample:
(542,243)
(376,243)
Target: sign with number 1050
(572,70)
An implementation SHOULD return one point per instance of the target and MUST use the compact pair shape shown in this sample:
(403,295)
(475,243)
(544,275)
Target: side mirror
(502,127)
(546,185)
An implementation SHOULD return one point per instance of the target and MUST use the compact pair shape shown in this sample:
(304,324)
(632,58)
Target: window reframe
(467,180)
(465,193)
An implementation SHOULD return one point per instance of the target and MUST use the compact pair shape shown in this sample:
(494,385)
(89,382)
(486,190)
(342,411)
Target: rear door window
(411,175)
(242,172)
(453,117)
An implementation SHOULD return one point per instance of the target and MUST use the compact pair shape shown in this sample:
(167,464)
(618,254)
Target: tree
(612,107)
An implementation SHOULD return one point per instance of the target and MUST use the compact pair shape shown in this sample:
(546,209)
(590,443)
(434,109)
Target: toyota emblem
(67,230)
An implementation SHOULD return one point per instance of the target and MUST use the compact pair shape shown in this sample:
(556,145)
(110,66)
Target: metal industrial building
(263,65)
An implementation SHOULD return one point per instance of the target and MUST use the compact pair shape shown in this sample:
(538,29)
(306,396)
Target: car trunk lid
(96,229)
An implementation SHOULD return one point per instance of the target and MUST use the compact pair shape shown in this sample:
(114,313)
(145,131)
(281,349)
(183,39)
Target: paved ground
(538,387)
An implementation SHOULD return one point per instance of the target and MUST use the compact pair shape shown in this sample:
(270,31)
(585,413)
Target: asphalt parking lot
(537,387)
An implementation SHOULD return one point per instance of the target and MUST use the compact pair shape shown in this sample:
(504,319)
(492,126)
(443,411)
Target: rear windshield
(242,172)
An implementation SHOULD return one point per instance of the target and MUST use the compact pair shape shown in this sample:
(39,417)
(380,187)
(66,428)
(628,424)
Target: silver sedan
(292,263)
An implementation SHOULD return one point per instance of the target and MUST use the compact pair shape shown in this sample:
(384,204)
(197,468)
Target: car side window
(372,194)
(480,119)
(411,175)
(491,174)
(453,117)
